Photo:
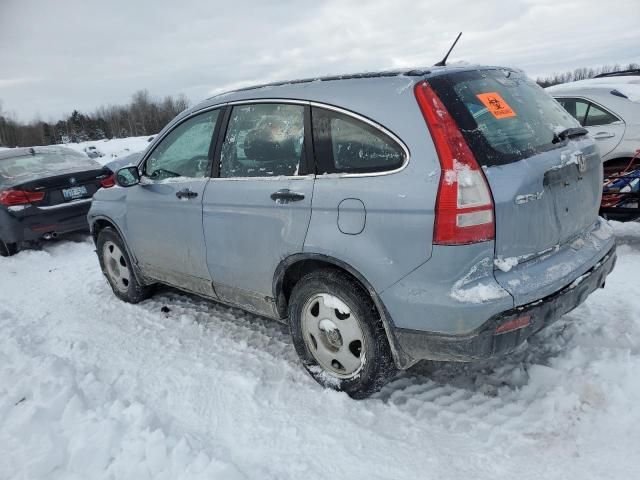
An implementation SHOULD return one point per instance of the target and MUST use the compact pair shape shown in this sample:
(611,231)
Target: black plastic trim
(220,134)
(137,271)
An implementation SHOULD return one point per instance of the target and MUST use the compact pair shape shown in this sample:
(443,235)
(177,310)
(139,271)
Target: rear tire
(8,249)
(117,267)
(338,334)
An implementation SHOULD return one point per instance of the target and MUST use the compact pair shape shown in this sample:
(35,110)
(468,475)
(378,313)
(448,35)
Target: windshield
(504,116)
(42,163)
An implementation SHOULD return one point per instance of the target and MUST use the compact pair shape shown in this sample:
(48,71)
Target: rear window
(504,116)
(15,168)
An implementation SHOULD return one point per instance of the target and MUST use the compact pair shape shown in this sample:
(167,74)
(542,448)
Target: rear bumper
(31,223)
(484,342)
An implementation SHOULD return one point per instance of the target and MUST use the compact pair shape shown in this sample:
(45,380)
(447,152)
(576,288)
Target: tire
(357,361)
(116,266)
(8,249)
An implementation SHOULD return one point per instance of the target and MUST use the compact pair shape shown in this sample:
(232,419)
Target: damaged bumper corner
(486,341)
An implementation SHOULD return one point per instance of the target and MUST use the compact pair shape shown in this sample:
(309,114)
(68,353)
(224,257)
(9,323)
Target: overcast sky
(59,55)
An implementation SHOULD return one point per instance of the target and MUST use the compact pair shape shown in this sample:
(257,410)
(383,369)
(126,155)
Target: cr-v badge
(528,197)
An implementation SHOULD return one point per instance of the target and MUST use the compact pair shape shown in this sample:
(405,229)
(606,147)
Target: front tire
(117,267)
(338,334)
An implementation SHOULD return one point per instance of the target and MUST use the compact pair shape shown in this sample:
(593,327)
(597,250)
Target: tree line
(582,74)
(143,115)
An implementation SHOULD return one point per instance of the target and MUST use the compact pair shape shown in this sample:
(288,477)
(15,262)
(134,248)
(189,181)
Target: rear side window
(587,113)
(503,115)
(263,140)
(598,116)
(577,108)
(344,144)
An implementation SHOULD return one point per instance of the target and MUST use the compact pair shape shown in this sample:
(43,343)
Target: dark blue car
(44,192)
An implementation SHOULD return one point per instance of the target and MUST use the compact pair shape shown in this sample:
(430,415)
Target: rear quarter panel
(399,206)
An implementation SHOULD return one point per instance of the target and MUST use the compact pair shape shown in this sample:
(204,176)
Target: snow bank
(117,147)
(112,149)
(626,229)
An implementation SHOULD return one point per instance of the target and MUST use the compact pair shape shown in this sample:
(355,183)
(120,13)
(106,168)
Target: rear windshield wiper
(569,133)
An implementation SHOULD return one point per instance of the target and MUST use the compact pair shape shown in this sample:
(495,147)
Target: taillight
(464,206)
(515,324)
(108,182)
(13,197)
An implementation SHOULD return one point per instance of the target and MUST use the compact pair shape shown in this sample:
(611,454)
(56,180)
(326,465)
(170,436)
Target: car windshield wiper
(569,133)
(163,172)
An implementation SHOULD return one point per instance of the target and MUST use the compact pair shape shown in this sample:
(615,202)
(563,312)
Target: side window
(597,116)
(344,144)
(185,151)
(576,107)
(263,140)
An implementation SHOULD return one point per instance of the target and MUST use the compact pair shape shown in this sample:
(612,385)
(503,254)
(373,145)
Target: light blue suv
(443,214)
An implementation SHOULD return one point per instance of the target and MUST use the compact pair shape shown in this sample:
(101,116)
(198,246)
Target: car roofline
(404,72)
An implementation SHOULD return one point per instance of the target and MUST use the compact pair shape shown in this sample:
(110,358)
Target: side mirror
(128,176)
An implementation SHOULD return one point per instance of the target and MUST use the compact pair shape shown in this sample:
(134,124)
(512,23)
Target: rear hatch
(546,190)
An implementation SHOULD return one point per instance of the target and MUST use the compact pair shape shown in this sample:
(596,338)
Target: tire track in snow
(231,380)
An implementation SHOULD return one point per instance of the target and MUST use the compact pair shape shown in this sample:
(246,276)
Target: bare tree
(583,74)
(144,115)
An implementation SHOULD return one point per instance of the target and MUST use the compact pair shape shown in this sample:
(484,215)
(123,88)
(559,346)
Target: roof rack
(619,73)
(415,72)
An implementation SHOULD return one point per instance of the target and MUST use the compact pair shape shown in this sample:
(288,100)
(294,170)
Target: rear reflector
(108,182)
(464,206)
(514,324)
(13,197)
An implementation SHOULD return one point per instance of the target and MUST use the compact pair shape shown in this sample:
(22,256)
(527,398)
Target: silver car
(609,108)
(391,217)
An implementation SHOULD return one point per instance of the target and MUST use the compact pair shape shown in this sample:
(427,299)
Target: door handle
(601,135)
(285,196)
(186,193)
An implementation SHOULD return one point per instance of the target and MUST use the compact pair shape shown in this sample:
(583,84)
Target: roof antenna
(443,62)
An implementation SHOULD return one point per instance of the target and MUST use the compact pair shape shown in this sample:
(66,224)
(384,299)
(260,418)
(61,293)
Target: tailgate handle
(285,195)
(186,193)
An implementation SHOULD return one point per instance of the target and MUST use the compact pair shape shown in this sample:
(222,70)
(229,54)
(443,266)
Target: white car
(93,152)
(608,106)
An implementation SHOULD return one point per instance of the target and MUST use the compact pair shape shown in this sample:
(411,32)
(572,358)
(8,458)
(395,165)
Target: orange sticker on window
(496,105)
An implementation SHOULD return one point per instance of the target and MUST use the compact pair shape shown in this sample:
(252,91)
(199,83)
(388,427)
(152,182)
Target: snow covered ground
(114,148)
(91,387)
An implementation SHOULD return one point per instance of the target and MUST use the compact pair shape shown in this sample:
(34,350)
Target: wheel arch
(291,269)
(101,222)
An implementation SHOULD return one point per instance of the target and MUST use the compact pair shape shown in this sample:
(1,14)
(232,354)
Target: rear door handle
(285,196)
(601,135)
(186,193)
